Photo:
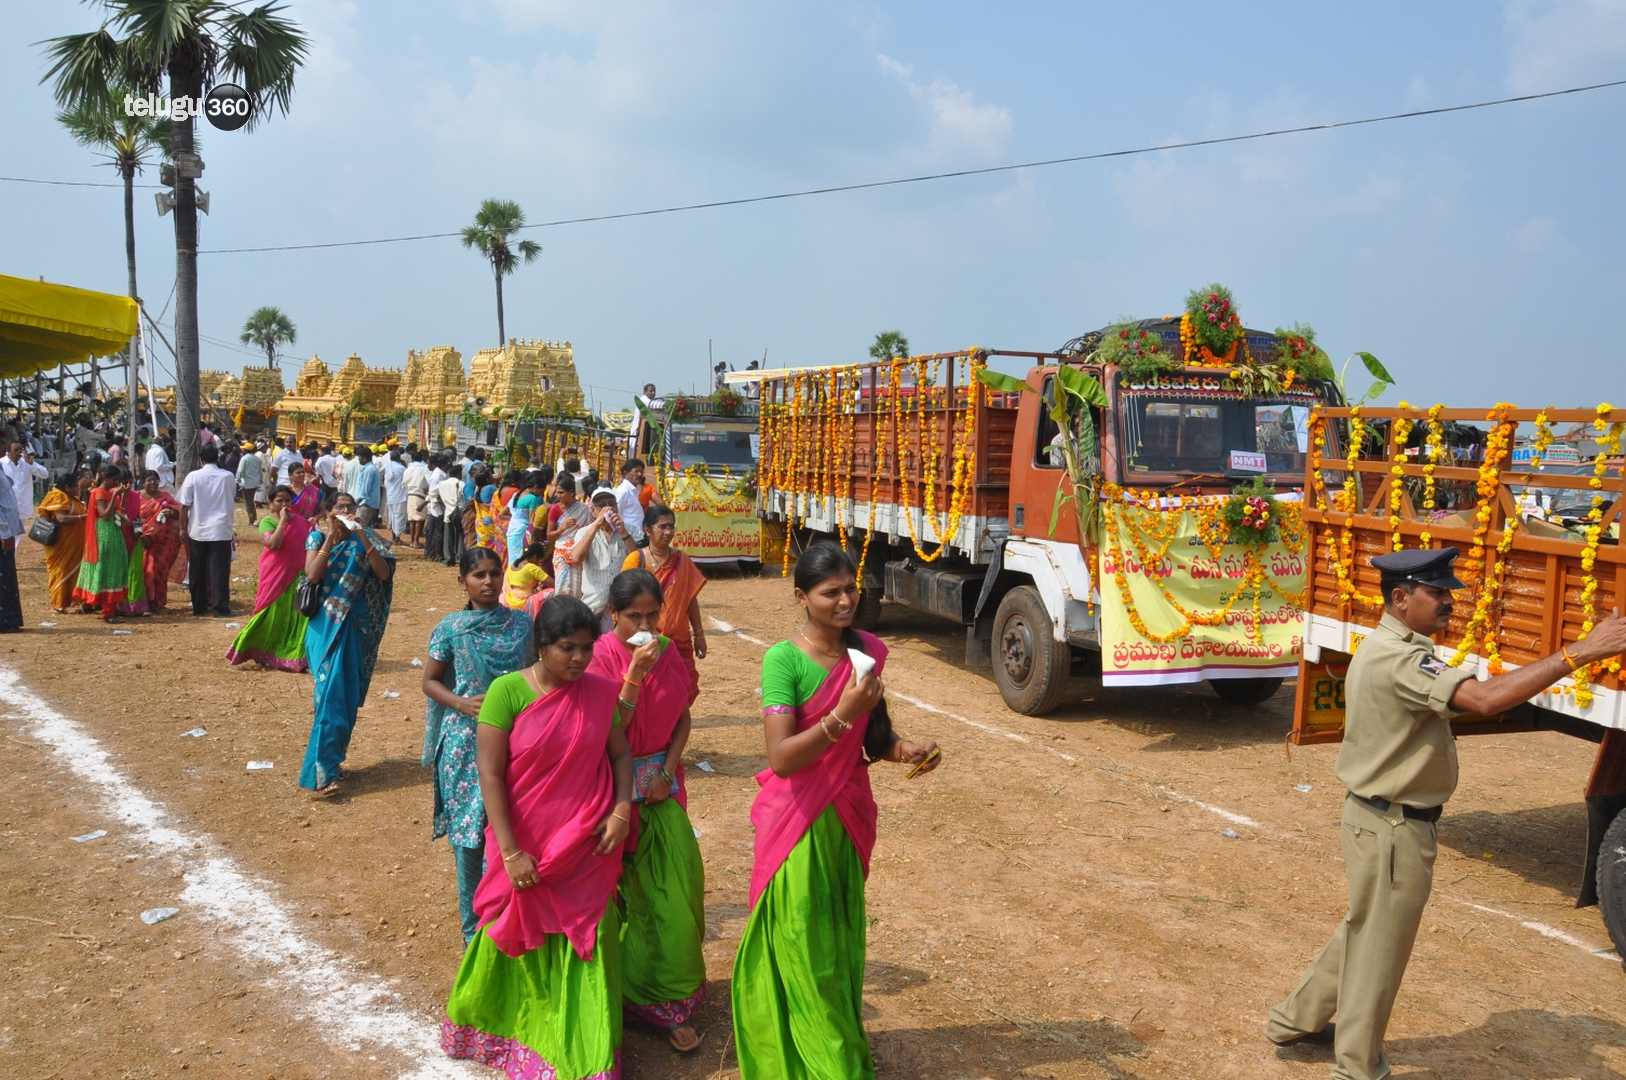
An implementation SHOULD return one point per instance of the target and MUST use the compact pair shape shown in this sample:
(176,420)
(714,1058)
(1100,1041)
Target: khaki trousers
(1389,864)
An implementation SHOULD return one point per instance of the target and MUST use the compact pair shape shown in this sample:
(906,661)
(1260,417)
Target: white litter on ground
(154,916)
(347,1006)
(391,695)
(195,733)
(704,766)
(260,766)
(234,626)
(123,633)
(88,837)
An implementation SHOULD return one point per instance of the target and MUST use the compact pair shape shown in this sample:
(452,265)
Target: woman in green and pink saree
(799,973)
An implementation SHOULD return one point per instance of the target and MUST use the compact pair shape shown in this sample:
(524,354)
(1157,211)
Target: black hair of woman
(545,473)
(283,489)
(820,563)
(533,553)
(629,585)
(566,482)
(657,511)
(573,465)
(562,616)
(68,482)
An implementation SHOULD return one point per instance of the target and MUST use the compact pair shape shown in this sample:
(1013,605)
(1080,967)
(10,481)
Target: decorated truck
(701,451)
(1125,511)
(1383,478)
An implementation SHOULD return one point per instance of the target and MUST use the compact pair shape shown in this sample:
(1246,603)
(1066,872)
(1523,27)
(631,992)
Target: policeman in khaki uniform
(1399,764)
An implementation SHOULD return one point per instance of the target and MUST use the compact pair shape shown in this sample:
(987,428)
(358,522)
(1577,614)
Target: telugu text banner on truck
(716,521)
(1181,609)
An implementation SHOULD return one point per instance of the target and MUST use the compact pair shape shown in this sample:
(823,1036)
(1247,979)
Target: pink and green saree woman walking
(799,973)
(539,990)
(663,887)
(274,637)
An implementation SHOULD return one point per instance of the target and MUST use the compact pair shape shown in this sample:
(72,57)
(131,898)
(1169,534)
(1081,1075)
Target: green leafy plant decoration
(1251,515)
(1214,320)
(1138,352)
(1071,396)
(1297,351)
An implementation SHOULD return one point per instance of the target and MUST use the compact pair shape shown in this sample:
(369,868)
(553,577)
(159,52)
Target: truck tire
(1612,882)
(1030,666)
(868,615)
(1245,691)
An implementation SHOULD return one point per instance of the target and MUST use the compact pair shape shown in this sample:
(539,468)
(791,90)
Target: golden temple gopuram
(524,374)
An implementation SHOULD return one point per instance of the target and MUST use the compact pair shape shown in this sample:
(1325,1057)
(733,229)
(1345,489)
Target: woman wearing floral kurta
(466,651)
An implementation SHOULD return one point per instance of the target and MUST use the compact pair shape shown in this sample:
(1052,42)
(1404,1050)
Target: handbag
(43,531)
(309,598)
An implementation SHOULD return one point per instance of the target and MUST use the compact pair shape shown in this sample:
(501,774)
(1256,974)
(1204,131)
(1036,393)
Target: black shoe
(1323,1037)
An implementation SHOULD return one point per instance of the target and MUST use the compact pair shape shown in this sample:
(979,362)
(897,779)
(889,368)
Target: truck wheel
(1245,691)
(868,615)
(1030,665)
(1612,882)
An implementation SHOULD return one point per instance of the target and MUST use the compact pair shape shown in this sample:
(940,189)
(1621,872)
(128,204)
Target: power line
(72,183)
(955,174)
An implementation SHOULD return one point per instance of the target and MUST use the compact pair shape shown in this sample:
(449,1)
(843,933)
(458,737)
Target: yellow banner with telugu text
(1173,610)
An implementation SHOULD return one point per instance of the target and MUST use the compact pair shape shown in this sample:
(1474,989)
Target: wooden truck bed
(834,439)
(1539,606)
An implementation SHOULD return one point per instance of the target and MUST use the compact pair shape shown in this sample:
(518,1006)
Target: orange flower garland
(1608,439)
(1399,434)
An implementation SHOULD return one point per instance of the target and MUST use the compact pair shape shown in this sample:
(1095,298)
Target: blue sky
(1479,254)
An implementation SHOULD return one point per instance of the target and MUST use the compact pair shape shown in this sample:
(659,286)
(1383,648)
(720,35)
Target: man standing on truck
(627,503)
(1399,764)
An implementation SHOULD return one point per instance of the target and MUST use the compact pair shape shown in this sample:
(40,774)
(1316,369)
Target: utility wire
(72,183)
(956,174)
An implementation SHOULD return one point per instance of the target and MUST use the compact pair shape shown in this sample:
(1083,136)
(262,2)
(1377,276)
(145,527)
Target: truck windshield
(1219,436)
(711,448)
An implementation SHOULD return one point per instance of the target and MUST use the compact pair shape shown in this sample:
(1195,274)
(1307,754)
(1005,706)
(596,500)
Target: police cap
(1422,565)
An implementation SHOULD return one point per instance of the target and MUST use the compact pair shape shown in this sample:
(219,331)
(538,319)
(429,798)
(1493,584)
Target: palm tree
(890,345)
(268,327)
(127,142)
(489,234)
(194,44)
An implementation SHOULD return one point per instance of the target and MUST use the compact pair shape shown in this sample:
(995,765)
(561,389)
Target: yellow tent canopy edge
(43,325)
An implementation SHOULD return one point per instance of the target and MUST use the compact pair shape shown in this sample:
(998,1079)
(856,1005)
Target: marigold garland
(1608,440)
(1399,435)
(1433,451)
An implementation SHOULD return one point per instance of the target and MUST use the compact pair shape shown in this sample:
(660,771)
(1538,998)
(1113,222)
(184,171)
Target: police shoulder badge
(1431,664)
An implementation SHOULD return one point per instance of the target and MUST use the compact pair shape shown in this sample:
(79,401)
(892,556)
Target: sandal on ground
(685,1046)
(328,790)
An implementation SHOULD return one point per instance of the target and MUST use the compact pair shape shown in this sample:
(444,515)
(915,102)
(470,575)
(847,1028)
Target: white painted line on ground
(350,1008)
(1218,811)
(1543,929)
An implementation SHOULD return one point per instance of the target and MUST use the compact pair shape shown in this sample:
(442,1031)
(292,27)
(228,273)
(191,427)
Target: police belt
(1383,806)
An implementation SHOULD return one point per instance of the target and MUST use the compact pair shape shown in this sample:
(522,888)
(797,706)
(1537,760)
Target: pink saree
(666,692)
(307,503)
(280,568)
(560,787)
(786,807)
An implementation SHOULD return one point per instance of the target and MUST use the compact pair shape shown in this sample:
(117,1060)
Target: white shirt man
(450,490)
(284,458)
(395,492)
(325,466)
(21,470)
(209,495)
(415,479)
(158,462)
(627,503)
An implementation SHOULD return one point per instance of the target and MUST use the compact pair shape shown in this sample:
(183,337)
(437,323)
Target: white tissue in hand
(863,663)
(640,639)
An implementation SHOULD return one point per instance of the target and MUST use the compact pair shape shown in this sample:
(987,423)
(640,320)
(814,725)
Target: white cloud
(956,120)
(1558,43)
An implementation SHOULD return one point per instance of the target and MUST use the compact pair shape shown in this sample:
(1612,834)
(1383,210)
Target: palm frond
(83,66)
(265,50)
(529,250)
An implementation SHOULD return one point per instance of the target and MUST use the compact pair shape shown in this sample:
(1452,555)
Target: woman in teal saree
(354,569)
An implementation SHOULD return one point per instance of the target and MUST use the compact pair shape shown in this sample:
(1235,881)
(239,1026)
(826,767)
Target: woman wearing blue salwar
(354,570)
(467,650)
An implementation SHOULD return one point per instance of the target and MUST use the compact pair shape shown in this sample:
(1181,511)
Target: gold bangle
(512,856)
(618,817)
(632,682)
(1564,651)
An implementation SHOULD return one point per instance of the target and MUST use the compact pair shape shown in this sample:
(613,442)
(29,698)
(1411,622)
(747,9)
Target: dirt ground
(1120,890)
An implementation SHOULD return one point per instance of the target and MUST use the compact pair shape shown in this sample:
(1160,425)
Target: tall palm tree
(194,44)
(127,142)
(268,327)
(890,345)
(496,221)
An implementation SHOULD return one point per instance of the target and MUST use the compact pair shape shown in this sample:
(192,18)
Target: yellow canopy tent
(43,325)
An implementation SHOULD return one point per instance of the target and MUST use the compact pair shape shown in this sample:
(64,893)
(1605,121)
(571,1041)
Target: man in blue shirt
(369,488)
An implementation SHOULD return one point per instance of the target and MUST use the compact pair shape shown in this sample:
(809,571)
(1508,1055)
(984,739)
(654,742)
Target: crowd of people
(558,713)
